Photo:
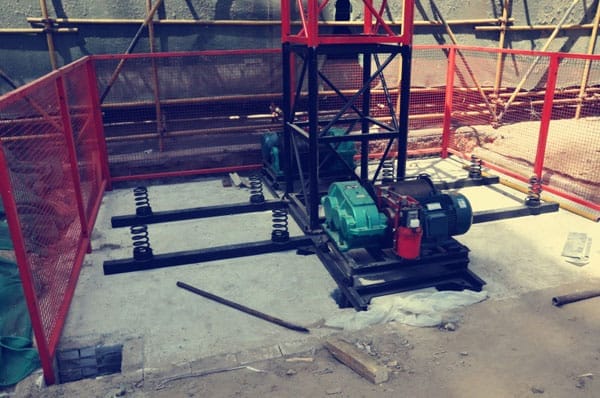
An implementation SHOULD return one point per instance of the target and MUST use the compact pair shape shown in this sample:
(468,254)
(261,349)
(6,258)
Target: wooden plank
(357,360)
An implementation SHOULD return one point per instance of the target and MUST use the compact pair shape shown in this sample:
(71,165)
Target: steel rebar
(243,308)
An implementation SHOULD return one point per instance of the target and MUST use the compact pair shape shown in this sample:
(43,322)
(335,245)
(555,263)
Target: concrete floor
(164,327)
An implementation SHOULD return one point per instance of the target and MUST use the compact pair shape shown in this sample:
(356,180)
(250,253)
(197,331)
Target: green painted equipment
(352,217)
(419,216)
(271,148)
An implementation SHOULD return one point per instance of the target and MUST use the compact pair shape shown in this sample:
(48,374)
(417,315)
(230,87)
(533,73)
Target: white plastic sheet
(424,308)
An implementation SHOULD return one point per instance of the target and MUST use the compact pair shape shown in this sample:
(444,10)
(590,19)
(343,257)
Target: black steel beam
(193,213)
(204,255)
(514,212)
(404,107)
(467,182)
(359,137)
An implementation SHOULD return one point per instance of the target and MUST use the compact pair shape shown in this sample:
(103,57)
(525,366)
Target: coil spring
(387,171)
(142,202)
(256,189)
(534,192)
(141,243)
(280,231)
(475,167)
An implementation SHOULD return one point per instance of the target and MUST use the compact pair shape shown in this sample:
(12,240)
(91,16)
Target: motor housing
(411,214)
(352,218)
(271,149)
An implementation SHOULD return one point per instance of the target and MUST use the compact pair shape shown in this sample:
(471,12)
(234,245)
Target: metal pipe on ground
(243,308)
(559,301)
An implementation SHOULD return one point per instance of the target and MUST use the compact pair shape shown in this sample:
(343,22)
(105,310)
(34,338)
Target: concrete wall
(25,56)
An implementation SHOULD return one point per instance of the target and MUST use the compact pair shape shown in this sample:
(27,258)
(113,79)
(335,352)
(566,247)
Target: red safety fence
(175,114)
(52,178)
(187,113)
(533,116)
(65,137)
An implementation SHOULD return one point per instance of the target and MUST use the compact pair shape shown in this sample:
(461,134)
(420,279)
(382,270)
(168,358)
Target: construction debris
(577,248)
(357,360)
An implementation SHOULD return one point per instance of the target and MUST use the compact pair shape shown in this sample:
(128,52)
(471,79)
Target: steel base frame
(194,213)
(443,266)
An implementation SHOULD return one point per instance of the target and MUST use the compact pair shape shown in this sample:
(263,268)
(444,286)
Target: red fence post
(285,20)
(449,98)
(538,165)
(16,234)
(98,124)
(68,133)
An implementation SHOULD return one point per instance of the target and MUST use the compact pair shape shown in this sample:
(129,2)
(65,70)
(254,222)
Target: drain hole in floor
(88,362)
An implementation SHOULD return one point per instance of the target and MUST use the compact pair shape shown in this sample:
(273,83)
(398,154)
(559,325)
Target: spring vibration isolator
(387,171)
(256,189)
(142,202)
(534,192)
(141,243)
(475,167)
(280,231)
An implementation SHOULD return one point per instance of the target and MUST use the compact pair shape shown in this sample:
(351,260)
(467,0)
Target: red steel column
(285,20)
(98,124)
(546,116)
(449,97)
(68,134)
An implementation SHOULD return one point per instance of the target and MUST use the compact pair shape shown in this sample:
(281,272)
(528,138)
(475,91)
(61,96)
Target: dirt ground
(521,347)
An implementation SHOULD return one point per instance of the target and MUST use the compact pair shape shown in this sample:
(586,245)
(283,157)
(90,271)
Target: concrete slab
(179,331)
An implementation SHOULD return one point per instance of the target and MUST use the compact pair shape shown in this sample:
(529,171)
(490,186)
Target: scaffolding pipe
(233,22)
(134,41)
(534,27)
(48,30)
(500,57)
(155,82)
(37,30)
(188,133)
(462,57)
(536,60)
(588,63)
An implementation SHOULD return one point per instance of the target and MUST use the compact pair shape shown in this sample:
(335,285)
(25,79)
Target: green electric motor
(352,219)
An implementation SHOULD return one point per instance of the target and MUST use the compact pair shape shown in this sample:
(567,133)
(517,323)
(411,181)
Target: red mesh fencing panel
(526,119)
(499,124)
(183,112)
(180,112)
(427,98)
(40,191)
(82,107)
(572,153)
